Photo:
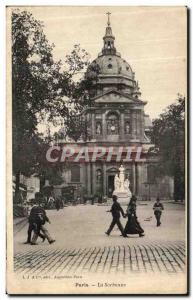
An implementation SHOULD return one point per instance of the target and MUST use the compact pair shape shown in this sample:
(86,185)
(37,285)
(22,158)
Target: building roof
(110,65)
(109,61)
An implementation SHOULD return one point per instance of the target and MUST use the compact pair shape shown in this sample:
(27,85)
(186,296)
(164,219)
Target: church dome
(109,61)
(110,71)
(107,64)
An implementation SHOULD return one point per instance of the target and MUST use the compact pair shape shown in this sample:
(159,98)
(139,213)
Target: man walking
(39,220)
(33,225)
(115,210)
(158,207)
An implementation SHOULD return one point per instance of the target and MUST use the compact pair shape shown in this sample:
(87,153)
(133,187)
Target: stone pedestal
(123,197)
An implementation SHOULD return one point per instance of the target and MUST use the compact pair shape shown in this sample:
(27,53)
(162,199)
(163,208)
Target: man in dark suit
(39,222)
(34,221)
(33,226)
(116,209)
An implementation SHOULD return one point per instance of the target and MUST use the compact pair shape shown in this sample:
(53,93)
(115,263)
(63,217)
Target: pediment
(113,97)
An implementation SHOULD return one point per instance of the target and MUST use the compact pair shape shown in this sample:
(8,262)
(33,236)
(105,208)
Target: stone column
(142,124)
(122,129)
(104,127)
(133,125)
(93,125)
(134,177)
(141,179)
(104,180)
(93,178)
(137,124)
(138,181)
(88,179)
(83,176)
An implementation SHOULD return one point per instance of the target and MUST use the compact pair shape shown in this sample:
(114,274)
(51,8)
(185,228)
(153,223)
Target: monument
(122,190)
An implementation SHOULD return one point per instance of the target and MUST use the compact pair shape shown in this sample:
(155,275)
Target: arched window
(110,66)
(75,173)
(112,124)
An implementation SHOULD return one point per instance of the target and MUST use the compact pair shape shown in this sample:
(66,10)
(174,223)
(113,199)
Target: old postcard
(96,150)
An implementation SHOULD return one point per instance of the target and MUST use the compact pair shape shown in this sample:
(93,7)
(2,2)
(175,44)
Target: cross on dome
(109,47)
(108,22)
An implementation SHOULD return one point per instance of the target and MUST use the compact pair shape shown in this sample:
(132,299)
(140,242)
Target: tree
(41,89)
(33,75)
(168,136)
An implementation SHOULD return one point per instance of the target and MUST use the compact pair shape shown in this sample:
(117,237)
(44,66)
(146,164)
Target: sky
(151,39)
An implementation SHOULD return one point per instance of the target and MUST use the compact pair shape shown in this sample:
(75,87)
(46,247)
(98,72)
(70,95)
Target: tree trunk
(17,185)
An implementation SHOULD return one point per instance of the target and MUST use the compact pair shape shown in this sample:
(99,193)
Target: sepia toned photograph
(97,150)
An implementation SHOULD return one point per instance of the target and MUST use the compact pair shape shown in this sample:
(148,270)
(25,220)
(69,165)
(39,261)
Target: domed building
(112,71)
(117,123)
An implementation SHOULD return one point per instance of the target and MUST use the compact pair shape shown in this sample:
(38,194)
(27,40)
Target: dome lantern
(108,39)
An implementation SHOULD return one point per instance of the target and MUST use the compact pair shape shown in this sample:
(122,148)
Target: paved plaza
(81,245)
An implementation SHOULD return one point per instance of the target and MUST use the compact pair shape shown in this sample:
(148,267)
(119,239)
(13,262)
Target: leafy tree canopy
(168,135)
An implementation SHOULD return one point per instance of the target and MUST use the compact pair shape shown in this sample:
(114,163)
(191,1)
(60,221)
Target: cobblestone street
(154,257)
(82,247)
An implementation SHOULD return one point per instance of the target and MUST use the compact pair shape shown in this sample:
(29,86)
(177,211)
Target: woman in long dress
(133,226)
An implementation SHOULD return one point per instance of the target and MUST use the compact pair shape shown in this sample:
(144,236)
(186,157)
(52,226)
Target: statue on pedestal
(122,190)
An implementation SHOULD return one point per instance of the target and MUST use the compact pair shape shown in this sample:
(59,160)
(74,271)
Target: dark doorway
(110,185)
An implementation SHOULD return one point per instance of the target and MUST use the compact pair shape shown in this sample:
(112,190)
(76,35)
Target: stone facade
(116,119)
